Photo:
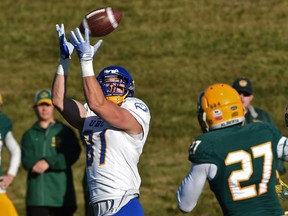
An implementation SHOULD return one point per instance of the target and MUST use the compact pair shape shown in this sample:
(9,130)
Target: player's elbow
(57,102)
(184,210)
(185,206)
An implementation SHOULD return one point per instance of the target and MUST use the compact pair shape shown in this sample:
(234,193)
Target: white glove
(66,48)
(84,49)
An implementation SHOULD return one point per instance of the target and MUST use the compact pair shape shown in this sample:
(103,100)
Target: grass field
(174,49)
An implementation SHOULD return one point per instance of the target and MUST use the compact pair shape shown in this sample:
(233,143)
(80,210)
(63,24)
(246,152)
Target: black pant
(49,211)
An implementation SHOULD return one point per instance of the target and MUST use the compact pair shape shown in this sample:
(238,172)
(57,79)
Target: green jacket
(59,146)
(256,115)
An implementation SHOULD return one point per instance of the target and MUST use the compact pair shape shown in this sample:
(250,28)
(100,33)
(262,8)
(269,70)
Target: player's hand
(66,48)
(6,180)
(84,49)
(286,116)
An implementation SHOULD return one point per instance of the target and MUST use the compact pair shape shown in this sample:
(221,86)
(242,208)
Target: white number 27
(240,193)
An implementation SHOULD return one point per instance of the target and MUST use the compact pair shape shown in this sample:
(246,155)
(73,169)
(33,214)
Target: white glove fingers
(57,27)
(73,39)
(79,35)
(97,46)
(87,39)
(58,30)
(62,28)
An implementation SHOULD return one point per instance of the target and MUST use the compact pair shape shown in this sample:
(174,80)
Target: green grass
(174,49)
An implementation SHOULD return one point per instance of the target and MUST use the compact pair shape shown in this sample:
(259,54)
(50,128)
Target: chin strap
(117,99)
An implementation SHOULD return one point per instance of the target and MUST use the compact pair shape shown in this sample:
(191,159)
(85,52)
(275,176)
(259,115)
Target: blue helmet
(126,80)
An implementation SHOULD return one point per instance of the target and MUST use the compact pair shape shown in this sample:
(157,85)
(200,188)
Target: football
(101,21)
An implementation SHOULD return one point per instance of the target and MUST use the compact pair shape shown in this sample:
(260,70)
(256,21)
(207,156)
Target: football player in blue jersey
(114,126)
(238,160)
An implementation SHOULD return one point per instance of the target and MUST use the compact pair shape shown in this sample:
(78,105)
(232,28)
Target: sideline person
(49,149)
(114,126)
(238,160)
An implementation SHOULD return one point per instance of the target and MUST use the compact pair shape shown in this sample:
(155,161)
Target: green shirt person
(49,149)
(244,87)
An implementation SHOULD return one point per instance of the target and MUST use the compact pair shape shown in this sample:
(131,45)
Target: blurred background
(173,49)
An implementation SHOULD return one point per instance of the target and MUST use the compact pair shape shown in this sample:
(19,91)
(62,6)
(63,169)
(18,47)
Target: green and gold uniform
(5,127)
(6,205)
(246,159)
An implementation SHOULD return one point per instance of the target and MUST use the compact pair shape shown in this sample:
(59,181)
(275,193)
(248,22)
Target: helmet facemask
(201,115)
(115,91)
(116,83)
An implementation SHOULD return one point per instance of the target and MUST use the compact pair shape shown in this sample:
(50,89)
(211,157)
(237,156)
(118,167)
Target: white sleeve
(191,187)
(140,112)
(15,153)
(282,149)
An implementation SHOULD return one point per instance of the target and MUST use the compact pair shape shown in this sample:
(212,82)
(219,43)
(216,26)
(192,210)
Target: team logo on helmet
(112,71)
(217,115)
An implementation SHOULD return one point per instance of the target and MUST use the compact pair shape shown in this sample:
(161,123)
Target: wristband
(87,67)
(63,67)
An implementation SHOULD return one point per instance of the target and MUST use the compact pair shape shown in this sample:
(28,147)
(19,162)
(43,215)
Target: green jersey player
(239,161)
(6,178)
